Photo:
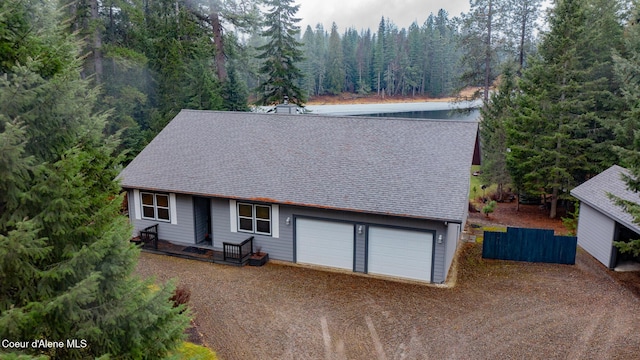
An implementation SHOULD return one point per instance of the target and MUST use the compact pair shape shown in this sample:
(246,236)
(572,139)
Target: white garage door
(324,243)
(402,253)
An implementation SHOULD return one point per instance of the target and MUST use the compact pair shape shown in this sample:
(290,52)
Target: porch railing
(150,235)
(237,253)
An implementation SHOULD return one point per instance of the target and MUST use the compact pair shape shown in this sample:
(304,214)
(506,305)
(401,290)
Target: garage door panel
(399,252)
(325,243)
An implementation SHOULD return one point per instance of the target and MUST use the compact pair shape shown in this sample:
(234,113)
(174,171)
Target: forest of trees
(85,84)
(152,58)
(66,265)
(572,110)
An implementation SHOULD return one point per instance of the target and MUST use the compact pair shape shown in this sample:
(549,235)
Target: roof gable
(594,193)
(417,168)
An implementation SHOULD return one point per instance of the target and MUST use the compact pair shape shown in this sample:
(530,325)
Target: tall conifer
(550,137)
(281,55)
(627,71)
(65,260)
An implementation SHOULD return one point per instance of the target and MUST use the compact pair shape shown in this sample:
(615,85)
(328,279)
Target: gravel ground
(497,310)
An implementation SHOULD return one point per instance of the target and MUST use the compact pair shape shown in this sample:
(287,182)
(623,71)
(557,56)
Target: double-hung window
(253,218)
(155,206)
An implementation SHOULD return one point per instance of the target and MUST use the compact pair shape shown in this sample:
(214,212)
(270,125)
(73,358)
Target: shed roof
(594,193)
(404,167)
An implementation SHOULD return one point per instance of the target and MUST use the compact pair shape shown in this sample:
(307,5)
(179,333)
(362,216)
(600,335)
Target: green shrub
(489,208)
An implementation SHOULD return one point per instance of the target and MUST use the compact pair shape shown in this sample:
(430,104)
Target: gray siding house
(601,221)
(368,195)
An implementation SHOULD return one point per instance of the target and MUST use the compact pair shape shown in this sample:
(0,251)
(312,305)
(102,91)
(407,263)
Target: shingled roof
(405,167)
(594,193)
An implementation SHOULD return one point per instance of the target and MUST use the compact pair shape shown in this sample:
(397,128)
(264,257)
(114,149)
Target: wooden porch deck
(231,254)
(202,252)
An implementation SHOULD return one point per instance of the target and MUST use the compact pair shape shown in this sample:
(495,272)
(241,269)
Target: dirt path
(497,310)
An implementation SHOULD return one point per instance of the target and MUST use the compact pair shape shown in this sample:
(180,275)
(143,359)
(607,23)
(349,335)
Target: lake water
(416,110)
(466,115)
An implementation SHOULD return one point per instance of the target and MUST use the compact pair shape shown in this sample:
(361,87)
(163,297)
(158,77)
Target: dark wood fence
(532,245)
(237,253)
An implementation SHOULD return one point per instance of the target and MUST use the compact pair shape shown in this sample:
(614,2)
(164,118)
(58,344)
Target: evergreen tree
(549,137)
(493,131)
(415,70)
(319,58)
(519,21)
(478,44)
(307,67)
(627,71)
(281,55)
(65,260)
(604,36)
(379,63)
(364,55)
(432,58)
(349,51)
(627,74)
(234,92)
(335,63)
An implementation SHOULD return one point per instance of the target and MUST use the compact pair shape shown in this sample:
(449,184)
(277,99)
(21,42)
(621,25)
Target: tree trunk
(523,32)
(177,5)
(221,70)
(487,60)
(97,41)
(556,179)
(554,203)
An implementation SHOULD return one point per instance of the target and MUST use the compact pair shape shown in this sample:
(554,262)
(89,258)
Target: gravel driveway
(497,310)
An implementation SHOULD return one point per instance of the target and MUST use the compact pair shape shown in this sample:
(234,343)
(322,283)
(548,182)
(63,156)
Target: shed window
(254,218)
(155,206)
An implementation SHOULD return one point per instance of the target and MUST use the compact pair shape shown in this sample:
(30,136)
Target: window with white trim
(155,206)
(254,218)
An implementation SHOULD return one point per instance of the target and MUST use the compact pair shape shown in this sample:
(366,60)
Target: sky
(363,14)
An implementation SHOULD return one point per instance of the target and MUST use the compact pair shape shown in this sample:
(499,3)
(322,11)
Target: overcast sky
(362,14)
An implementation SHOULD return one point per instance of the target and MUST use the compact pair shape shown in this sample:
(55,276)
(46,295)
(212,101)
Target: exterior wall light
(360,229)
(440,239)
(287,220)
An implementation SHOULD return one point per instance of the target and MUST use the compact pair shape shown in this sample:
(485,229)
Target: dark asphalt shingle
(417,168)
(594,193)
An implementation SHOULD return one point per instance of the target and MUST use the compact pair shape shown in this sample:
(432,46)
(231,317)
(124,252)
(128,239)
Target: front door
(202,220)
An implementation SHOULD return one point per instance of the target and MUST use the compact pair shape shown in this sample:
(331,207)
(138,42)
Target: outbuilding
(601,221)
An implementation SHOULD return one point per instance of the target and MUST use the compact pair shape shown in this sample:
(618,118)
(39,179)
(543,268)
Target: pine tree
(518,21)
(415,71)
(65,260)
(604,36)
(478,44)
(349,50)
(307,67)
(549,137)
(335,63)
(319,58)
(234,92)
(493,131)
(281,55)
(379,63)
(364,55)
(627,71)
